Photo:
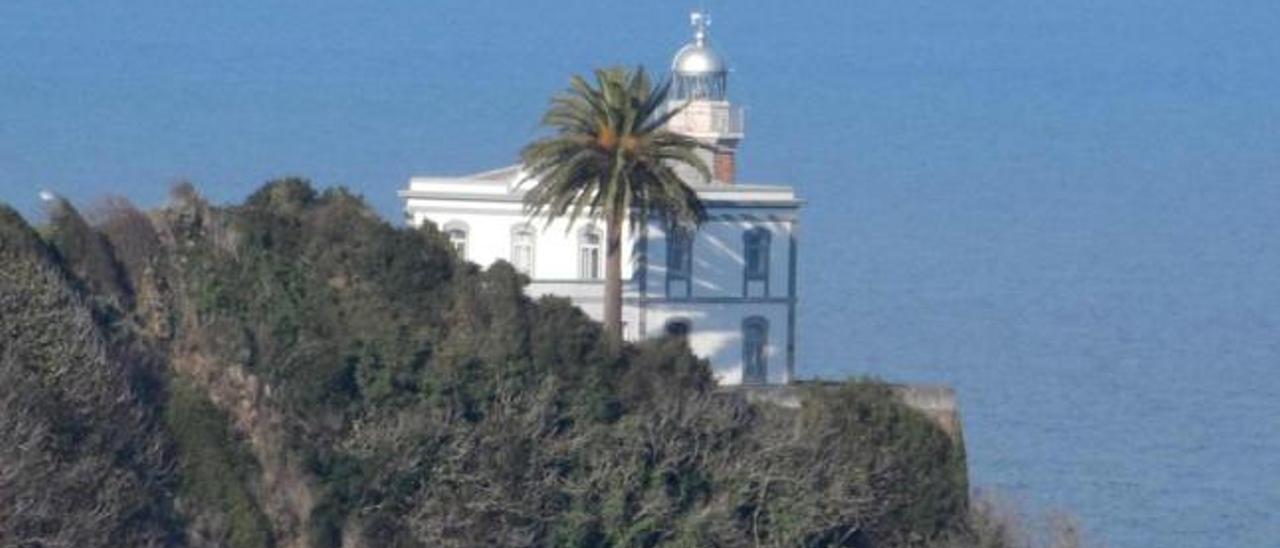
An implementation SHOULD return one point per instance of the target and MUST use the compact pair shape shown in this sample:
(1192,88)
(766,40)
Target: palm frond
(609,154)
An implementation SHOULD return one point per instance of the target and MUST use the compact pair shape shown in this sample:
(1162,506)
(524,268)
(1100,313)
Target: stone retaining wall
(938,402)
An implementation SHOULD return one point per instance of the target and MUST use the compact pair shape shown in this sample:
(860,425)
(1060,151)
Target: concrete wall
(718,299)
(717,334)
(489,230)
(718,255)
(936,401)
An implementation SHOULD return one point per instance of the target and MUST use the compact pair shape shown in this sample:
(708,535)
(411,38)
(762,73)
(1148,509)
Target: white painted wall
(717,334)
(490,208)
(489,229)
(718,255)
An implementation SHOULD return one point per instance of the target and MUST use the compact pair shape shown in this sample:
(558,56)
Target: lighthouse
(700,85)
(729,288)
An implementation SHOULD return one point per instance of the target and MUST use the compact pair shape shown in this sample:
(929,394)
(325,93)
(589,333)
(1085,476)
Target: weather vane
(700,21)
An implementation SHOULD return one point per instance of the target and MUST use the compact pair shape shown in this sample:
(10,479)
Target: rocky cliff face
(293,371)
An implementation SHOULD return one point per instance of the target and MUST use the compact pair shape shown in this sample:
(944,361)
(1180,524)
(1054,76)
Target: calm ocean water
(1115,353)
(1070,211)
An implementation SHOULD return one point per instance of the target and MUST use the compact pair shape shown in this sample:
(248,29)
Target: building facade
(730,287)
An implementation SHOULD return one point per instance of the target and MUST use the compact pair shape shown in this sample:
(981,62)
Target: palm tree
(610,156)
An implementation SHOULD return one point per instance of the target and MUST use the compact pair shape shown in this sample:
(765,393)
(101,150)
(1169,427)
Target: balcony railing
(710,119)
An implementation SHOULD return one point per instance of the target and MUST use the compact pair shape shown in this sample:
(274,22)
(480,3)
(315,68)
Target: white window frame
(460,245)
(590,254)
(680,240)
(756,244)
(518,234)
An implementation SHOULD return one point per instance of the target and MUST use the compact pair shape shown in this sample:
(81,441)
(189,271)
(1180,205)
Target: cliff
(293,371)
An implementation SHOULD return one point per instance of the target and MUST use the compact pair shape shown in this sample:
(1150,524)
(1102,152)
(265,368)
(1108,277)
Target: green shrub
(215,469)
(434,404)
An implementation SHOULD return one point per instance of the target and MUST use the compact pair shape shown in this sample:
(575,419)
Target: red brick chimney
(724,167)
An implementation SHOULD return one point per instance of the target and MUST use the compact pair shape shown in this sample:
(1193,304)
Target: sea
(1115,351)
(1067,211)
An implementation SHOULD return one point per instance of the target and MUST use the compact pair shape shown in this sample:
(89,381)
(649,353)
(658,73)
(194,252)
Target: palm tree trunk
(613,282)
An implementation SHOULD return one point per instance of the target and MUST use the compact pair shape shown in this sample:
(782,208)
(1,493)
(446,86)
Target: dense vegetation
(294,371)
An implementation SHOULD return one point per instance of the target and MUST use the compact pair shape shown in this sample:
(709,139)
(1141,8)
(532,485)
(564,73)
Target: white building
(730,287)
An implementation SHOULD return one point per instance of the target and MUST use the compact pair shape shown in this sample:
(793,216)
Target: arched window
(679,261)
(755,246)
(589,254)
(755,341)
(677,327)
(522,248)
(456,231)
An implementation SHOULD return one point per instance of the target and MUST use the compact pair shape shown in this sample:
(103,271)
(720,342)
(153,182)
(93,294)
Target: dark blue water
(1115,352)
(1068,210)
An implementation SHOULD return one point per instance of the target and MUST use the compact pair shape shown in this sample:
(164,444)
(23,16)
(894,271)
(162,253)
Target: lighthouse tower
(700,78)
(728,287)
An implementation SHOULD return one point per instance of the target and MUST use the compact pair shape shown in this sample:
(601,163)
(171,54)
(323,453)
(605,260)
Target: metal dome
(698,71)
(698,59)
